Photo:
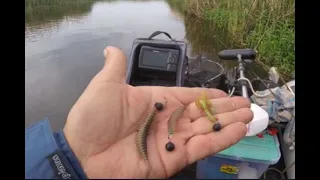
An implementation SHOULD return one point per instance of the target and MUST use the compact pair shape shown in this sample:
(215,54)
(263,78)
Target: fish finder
(158,58)
(157,62)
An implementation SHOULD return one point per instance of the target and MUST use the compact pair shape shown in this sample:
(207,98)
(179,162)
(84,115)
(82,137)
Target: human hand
(102,125)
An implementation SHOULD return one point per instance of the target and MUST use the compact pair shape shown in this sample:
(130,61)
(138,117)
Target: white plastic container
(248,159)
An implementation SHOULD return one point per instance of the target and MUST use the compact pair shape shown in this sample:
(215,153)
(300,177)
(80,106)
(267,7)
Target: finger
(203,125)
(220,105)
(189,95)
(201,146)
(115,66)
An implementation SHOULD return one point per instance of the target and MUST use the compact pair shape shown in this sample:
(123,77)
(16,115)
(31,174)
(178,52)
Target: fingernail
(105,52)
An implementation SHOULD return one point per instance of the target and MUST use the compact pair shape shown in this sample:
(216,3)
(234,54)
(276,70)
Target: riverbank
(45,10)
(41,3)
(267,26)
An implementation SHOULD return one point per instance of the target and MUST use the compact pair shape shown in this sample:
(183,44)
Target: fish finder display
(155,58)
(158,58)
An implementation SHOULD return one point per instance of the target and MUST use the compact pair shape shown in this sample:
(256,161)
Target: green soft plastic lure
(204,103)
(176,114)
(143,131)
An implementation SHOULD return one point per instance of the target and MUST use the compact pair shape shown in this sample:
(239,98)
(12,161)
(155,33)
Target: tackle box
(248,159)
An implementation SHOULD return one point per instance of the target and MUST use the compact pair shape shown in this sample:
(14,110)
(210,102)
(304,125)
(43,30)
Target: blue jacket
(48,154)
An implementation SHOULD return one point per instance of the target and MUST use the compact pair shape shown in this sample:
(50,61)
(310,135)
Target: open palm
(101,127)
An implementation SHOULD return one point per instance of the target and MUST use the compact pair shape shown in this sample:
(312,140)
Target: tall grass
(266,25)
(43,10)
(37,3)
(202,34)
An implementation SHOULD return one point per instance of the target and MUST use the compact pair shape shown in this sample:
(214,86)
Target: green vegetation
(266,25)
(43,10)
(202,35)
(41,3)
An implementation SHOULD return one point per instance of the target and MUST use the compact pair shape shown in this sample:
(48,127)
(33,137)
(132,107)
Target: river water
(64,46)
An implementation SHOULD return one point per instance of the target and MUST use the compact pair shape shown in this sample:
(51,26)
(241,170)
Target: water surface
(64,46)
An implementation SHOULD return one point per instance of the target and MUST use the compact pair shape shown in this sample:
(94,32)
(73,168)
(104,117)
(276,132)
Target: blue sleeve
(48,155)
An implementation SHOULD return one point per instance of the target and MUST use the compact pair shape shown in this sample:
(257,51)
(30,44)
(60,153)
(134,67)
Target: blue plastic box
(248,159)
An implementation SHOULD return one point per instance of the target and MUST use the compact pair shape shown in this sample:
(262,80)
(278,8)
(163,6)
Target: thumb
(115,65)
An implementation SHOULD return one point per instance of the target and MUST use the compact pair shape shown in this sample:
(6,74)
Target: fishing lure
(143,131)
(204,104)
(176,114)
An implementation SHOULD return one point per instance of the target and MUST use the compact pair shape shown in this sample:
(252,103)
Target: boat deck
(189,172)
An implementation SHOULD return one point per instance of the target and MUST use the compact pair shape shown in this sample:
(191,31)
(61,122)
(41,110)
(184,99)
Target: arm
(48,155)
